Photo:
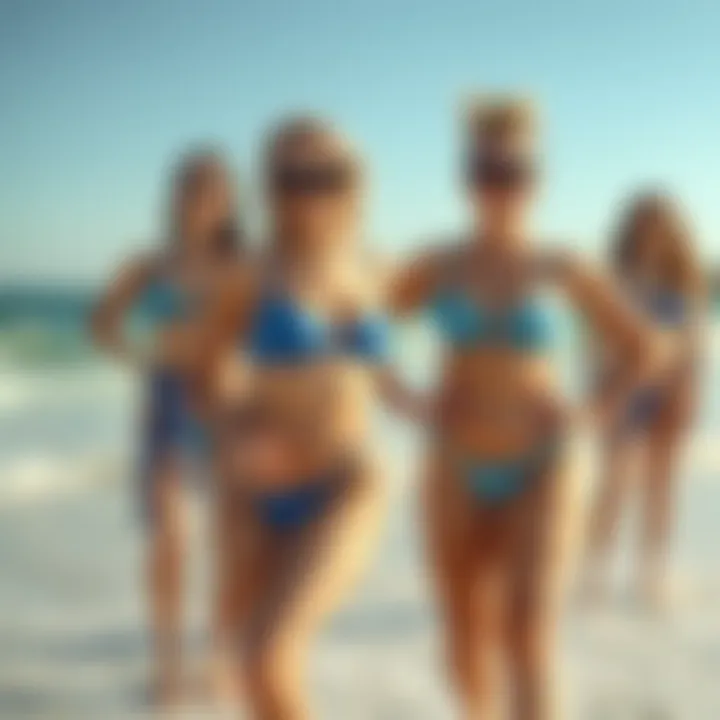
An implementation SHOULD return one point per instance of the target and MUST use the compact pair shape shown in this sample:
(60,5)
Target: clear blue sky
(97,96)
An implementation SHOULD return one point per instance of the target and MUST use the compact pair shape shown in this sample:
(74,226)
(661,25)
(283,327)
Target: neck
(308,258)
(499,237)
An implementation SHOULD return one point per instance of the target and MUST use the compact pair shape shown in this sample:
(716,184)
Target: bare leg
(311,574)
(462,571)
(227,602)
(659,508)
(606,511)
(242,558)
(165,566)
(537,579)
(245,556)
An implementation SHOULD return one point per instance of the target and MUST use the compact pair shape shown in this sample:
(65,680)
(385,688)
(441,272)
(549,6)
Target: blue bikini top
(464,322)
(284,333)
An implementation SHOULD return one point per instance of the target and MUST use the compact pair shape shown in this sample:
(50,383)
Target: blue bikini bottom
(502,481)
(295,507)
(171,423)
(171,429)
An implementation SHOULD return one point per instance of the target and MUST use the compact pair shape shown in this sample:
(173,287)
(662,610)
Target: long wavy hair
(680,270)
(195,168)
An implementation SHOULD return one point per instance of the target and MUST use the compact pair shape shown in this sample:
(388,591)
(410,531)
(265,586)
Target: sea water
(72,640)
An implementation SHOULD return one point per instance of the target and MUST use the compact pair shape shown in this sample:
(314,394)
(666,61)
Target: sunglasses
(313,180)
(500,173)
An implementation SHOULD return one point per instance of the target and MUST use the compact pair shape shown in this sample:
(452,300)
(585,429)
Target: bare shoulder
(558,263)
(432,257)
(380,270)
(414,278)
(145,263)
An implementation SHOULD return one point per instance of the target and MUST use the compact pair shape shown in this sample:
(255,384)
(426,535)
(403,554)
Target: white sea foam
(39,477)
(381,659)
(382,656)
(23,390)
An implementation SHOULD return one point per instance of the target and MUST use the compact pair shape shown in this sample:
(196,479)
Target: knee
(461,656)
(167,546)
(470,643)
(529,646)
(168,512)
(270,673)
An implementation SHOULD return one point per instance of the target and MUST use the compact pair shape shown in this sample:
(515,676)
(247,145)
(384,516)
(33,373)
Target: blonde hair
(193,170)
(493,118)
(296,130)
(681,269)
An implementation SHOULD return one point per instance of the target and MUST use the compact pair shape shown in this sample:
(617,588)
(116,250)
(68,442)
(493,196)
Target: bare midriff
(316,417)
(497,404)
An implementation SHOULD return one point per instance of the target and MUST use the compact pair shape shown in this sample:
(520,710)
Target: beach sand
(72,643)
(72,640)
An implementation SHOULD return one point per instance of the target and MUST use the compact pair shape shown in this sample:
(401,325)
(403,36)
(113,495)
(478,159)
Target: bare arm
(694,334)
(618,327)
(107,322)
(221,330)
(412,284)
(692,338)
(408,288)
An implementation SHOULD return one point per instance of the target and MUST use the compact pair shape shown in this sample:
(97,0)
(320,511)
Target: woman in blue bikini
(655,260)
(167,291)
(496,500)
(302,495)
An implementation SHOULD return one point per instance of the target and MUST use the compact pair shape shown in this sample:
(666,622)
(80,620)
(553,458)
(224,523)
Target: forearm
(645,363)
(110,337)
(640,354)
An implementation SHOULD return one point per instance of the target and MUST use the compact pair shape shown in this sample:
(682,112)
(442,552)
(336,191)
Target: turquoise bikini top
(284,333)
(526,327)
(164,301)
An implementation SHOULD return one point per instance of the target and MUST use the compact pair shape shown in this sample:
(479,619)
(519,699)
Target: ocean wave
(41,476)
(39,345)
(23,388)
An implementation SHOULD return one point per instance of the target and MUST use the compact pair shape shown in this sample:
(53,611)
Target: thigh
(619,458)
(244,557)
(163,494)
(450,523)
(664,447)
(164,466)
(676,413)
(314,568)
(544,530)
(463,548)
(666,436)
